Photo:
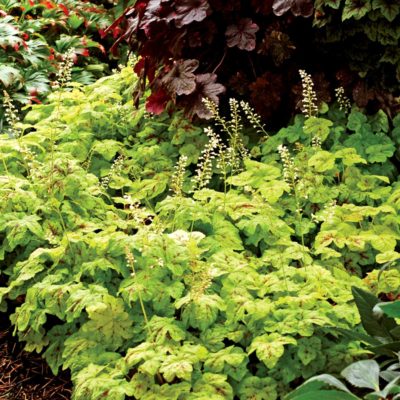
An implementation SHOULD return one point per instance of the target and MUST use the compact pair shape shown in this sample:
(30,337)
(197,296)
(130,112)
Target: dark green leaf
(365,302)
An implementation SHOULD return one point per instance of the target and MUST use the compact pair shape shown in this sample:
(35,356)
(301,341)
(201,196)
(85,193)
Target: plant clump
(167,261)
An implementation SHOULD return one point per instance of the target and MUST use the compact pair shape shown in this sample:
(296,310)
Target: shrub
(254,49)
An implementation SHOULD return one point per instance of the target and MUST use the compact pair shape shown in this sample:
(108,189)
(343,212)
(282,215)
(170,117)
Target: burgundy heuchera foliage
(191,49)
(178,41)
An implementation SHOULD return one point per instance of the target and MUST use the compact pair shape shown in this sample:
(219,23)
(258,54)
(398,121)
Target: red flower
(34,99)
(64,9)
(48,4)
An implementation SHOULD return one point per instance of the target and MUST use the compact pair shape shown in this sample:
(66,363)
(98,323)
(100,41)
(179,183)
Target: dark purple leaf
(156,11)
(262,6)
(302,8)
(206,35)
(188,11)
(181,79)
(206,87)
(242,35)
(280,7)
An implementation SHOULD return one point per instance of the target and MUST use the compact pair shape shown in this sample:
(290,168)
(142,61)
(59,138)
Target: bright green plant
(382,381)
(145,284)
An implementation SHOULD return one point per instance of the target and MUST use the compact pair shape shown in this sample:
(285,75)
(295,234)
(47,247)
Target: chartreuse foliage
(208,293)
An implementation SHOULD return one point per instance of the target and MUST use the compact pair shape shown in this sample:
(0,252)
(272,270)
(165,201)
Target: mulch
(26,376)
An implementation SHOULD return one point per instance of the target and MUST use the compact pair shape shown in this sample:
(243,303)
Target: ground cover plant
(155,259)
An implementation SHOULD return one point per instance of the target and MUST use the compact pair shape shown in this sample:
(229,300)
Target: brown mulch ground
(25,376)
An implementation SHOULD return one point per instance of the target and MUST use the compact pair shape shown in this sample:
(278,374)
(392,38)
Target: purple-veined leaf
(280,7)
(181,78)
(302,8)
(206,87)
(242,35)
(188,11)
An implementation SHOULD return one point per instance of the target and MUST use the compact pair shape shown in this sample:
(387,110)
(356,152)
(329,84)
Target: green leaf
(390,10)
(363,374)
(319,127)
(223,234)
(335,4)
(366,302)
(81,297)
(164,329)
(308,349)
(53,354)
(176,367)
(256,388)
(309,386)
(109,322)
(380,121)
(142,352)
(256,174)
(322,161)
(391,309)
(356,9)
(97,382)
(20,225)
(387,256)
(380,152)
(170,392)
(274,190)
(350,156)
(9,75)
(356,119)
(213,386)
(331,381)
(140,384)
(387,349)
(106,148)
(325,395)
(231,360)
(202,311)
(75,21)
(270,348)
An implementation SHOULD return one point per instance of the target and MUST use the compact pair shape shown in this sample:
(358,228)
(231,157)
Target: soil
(26,376)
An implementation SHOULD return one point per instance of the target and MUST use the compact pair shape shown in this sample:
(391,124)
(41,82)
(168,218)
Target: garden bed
(25,376)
